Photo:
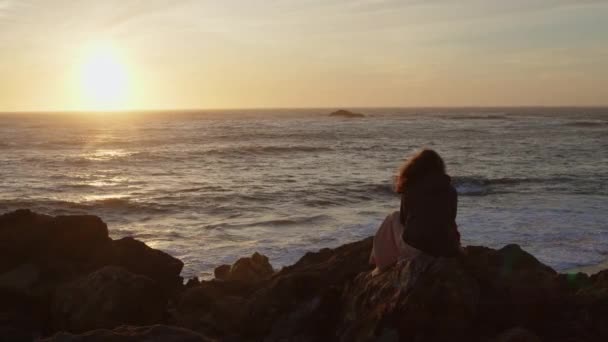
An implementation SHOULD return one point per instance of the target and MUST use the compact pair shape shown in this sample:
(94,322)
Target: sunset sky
(157,54)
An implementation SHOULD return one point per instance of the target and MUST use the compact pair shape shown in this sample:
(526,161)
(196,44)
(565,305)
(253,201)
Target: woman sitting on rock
(426,221)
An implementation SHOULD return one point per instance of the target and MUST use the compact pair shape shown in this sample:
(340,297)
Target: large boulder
(41,253)
(132,334)
(60,245)
(139,258)
(516,288)
(107,298)
(60,248)
(253,269)
(422,299)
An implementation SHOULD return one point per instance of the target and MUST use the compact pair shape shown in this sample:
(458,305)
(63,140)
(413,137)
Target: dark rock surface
(138,258)
(132,334)
(252,269)
(516,335)
(424,299)
(46,286)
(53,275)
(346,114)
(107,298)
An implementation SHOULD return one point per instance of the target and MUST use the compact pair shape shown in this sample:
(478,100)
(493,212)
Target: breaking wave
(479,186)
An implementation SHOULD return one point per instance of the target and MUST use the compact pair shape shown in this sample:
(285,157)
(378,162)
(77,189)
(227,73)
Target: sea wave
(288,221)
(240,150)
(91,158)
(585,124)
(112,203)
(478,117)
(479,185)
(7,144)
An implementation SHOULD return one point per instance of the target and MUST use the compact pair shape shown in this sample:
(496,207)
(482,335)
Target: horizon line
(150,110)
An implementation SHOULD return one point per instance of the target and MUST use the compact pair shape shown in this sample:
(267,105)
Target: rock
(573,282)
(132,334)
(222,272)
(594,301)
(27,237)
(22,318)
(13,334)
(21,279)
(516,335)
(423,299)
(300,300)
(516,289)
(63,247)
(138,258)
(107,298)
(41,253)
(218,307)
(346,114)
(65,273)
(303,300)
(253,269)
(192,282)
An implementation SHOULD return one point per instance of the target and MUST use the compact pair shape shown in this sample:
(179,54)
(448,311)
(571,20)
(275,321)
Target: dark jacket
(428,214)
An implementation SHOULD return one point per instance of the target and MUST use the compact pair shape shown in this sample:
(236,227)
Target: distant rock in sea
(64,279)
(346,114)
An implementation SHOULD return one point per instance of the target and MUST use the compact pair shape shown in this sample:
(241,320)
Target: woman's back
(428,213)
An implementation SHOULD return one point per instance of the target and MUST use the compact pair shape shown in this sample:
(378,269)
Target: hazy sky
(309,53)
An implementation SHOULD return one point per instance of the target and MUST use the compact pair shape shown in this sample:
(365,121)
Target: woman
(426,221)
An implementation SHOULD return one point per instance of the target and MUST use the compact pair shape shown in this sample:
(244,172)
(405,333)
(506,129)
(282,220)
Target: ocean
(209,187)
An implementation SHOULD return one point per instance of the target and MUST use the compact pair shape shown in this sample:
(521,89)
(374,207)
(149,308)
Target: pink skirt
(389,246)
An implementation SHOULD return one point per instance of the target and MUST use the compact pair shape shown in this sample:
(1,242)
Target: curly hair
(423,163)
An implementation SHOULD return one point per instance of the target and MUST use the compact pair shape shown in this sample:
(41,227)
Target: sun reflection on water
(106,154)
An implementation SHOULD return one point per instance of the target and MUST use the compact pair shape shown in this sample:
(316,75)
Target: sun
(104,78)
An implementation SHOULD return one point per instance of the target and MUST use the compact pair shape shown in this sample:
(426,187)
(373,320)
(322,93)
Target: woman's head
(424,163)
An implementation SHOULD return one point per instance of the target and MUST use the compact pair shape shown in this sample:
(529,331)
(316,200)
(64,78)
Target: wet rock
(132,334)
(106,298)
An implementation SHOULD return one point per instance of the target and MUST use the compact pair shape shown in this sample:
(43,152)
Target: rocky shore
(64,279)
